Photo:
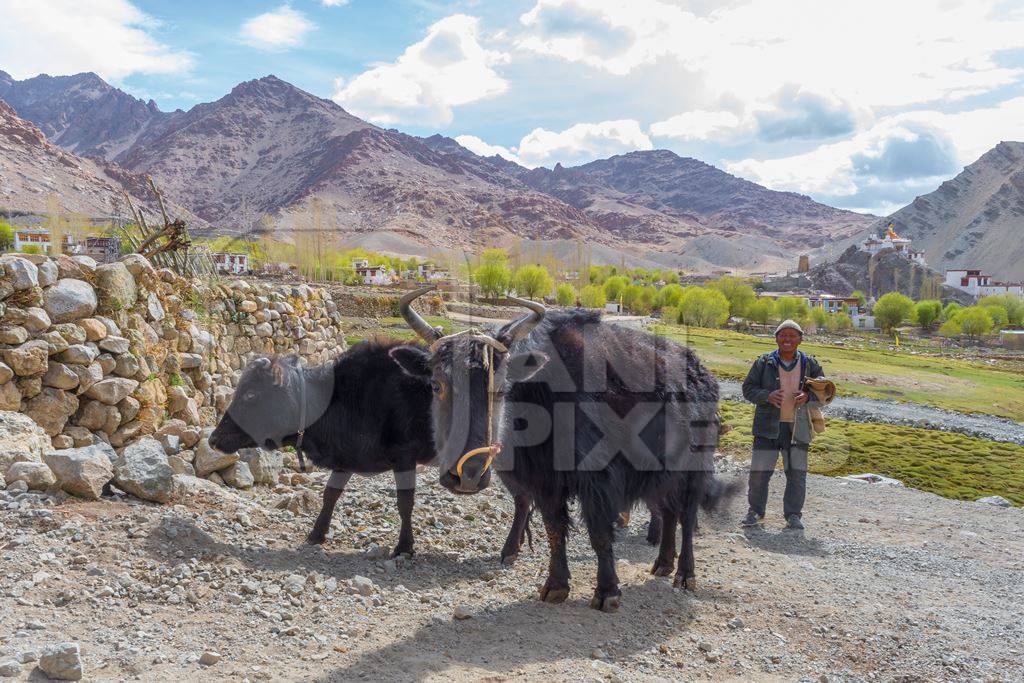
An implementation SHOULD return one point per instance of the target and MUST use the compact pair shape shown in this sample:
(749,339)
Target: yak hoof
(688,583)
(605,603)
(555,595)
(509,560)
(401,551)
(662,568)
(316,537)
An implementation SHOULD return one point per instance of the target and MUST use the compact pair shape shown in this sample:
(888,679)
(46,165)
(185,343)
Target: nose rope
(491,449)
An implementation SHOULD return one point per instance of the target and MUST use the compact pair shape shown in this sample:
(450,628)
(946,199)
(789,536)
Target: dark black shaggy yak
(577,409)
(361,414)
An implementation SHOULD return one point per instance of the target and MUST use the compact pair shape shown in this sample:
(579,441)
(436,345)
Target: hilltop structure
(901,245)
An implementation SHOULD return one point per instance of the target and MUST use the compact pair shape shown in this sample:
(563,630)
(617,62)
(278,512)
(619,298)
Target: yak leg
(686,576)
(601,528)
(656,524)
(510,551)
(405,484)
(332,492)
(667,552)
(556,523)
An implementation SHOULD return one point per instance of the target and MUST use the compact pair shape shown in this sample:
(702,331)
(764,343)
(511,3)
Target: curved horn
(522,327)
(415,321)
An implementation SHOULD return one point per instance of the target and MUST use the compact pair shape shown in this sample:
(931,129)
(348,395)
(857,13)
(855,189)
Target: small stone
(237,476)
(62,661)
(82,471)
(598,653)
(142,470)
(735,623)
(362,585)
(112,390)
(210,460)
(10,669)
(209,658)
(36,475)
(462,612)
(998,501)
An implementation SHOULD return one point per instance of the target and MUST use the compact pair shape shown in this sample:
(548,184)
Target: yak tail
(717,492)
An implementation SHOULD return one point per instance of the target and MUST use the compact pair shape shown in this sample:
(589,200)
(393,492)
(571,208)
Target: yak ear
(523,366)
(413,361)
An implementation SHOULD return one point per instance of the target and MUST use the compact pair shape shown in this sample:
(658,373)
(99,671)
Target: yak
(568,407)
(359,413)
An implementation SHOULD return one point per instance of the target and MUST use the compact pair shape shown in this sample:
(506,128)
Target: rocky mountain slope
(975,220)
(268,149)
(32,169)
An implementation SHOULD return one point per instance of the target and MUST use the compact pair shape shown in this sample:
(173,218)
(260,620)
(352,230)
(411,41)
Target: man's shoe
(749,520)
(793,522)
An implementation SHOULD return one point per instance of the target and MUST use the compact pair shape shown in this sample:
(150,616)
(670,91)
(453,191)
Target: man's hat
(789,325)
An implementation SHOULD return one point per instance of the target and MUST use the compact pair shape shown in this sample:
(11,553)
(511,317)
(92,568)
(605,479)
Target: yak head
(468,373)
(274,400)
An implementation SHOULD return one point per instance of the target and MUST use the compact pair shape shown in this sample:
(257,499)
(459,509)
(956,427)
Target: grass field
(950,465)
(968,386)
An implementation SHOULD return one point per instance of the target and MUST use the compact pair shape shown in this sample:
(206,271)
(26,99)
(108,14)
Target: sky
(862,105)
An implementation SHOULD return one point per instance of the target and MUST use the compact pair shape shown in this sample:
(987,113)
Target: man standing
(782,423)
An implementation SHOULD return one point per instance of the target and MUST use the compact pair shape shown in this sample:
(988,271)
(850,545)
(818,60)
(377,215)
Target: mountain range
(271,156)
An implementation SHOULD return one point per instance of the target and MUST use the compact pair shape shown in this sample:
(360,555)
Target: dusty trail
(860,409)
(886,583)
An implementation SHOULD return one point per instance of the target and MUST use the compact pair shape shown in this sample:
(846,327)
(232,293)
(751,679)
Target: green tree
(31,249)
(565,295)
(614,286)
(592,296)
(859,296)
(950,311)
(703,307)
(927,313)
(533,281)
(761,311)
(1013,304)
(6,236)
(671,277)
(493,275)
(892,309)
(997,313)
(838,322)
(819,317)
(739,293)
(974,321)
(668,296)
(950,328)
(792,308)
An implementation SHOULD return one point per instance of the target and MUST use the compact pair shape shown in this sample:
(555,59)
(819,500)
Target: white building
(372,275)
(232,263)
(40,238)
(979,284)
(863,321)
(891,240)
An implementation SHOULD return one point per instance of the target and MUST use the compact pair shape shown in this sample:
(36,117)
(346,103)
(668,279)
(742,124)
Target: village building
(372,275)
(979,284)
(102,249)
(40,238)
(230,263)
(901,245)
(830,303)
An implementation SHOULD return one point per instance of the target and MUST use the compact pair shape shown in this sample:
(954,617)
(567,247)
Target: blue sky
(860,105)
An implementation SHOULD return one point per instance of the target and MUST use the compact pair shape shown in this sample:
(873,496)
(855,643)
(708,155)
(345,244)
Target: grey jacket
(762,380)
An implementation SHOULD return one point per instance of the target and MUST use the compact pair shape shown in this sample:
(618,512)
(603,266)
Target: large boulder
(237,476)
(48,273)
(208,459)
(20,272)
(82,471)
(62,661)
(116,287)
(36,475)
(60,376)
(265,466)
(112,390)
(13,335)
(51,408)
(143,471)
(28,359)
(21,439)
(69,300)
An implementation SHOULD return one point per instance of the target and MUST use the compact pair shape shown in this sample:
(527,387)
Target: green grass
(968,386)
(396,328)
(950,465)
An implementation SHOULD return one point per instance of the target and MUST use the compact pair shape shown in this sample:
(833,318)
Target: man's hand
(777,397)
(801,398)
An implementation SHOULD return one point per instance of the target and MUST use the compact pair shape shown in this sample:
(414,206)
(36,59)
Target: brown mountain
(975,220)
(268,149)
(32,169)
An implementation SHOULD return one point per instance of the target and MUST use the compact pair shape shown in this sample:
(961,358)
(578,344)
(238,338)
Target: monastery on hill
(900,245)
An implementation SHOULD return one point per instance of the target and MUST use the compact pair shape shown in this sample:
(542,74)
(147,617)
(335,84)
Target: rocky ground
(886,584)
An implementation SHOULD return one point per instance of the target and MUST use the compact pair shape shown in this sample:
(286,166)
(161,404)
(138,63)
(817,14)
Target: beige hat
(789,325)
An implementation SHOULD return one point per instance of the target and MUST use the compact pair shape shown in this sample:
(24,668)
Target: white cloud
(582,142)
(898,157)
(697,125)
(334,3)
(874,52)
(446,69)
(113,38)
(280,29)
(484,149)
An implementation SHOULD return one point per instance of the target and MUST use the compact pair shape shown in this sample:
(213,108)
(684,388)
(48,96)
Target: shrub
(892,309)
(927,313)
(703,307)
(614,286)
(838,322)
(592,296)
(533,281)
(1013,305)
(565,295)
(740,295)
(792,308)
(668,296)
(761,311)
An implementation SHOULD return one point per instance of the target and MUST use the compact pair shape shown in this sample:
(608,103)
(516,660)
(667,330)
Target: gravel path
(887,583)
(860,409)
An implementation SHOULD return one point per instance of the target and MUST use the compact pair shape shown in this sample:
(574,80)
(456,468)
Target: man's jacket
(763,379)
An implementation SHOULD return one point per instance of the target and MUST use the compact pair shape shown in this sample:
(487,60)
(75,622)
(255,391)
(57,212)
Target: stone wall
(110,354)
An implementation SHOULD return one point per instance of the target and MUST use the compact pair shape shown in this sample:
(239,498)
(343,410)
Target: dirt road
(886,583)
